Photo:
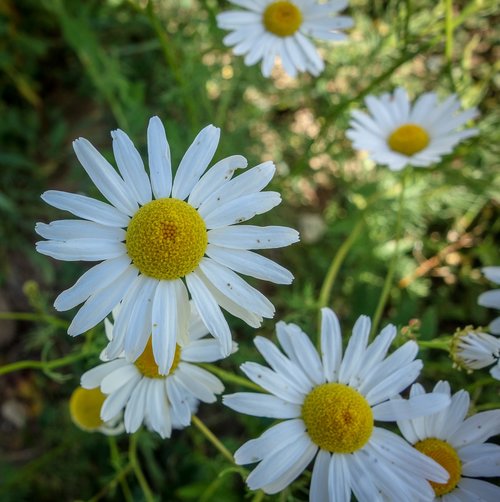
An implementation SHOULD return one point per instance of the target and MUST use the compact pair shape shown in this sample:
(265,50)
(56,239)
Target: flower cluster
(172,249)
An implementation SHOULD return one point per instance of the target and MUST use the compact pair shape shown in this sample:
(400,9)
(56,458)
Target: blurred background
(72,69)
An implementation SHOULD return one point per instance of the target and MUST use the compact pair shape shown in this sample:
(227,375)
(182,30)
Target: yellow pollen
(446,456)
(146,363)
(408,139)
(166,239)
(85,408)
(282,18)
(337,417)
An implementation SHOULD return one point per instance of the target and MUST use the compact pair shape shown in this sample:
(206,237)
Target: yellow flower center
(166,239)
(337,417)
(282,18)
(408,139)
(85,408)
(445,455)
(146,363)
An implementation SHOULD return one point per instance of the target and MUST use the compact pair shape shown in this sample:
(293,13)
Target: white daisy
(472,350)
(458,444)
(268,29)
(85,411)
(491,299)
(164,239)
(398,134)
(331,405)
(161,402)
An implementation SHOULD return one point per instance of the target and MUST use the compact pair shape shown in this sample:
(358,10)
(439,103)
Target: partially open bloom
(85,410)
(330,405)
(458,444)
(491,299)
(163,240)
(471,349)
(161,402)
(398,134)
(270,29)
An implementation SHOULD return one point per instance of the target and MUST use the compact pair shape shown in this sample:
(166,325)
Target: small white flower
(491,299)
(164,239)
(472,350)
(331,404)
(268,29)
(458,444)
(398,134)
(161,402)
(85,410)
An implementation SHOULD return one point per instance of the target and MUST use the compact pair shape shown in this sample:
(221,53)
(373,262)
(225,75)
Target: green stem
(259,496)
(44,365)
(171,60)
(230,377)
(441,344)
(392,266)
(30,316)
(119,478)
(212,438)
(117,464)
(331,275)
(449,30)
(136,466)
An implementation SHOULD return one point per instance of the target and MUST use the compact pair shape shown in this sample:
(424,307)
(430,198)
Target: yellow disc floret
(146,363)
(282,18)
(337,417)
(85,408)
(408,139)
(166,239)
(446,456)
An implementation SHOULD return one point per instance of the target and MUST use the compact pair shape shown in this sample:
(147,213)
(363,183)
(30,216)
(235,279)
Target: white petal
(319,481)
(331,344)
(104,176)
(195,161)
(200,383)
(136,406)
(339,479)
(249,263)
(209,312)
(492,274)
(253,237)
(238,211)
(487,492)
(219,174)
(158,409)
(202,351)
(95,279)
(100,304)
(233,286)
(477,428)
(417,406)
(160,167)
(86,207)
(480,460)
(261,405)
(64,230)
(165,324)
(180,404)
(93,377)
(253,180)
(490,299)
(131,167)
(115,402)
(355,350)
(82,249)
(118,378)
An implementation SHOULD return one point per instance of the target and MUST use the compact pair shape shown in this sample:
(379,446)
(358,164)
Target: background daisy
(85,411)
(331,404)
(270,29)
(458,444)
(160,402)
(163,240)
(491,299)
(398,134)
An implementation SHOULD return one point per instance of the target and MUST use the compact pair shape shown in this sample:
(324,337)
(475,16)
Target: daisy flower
(398,134)
(329,404)
(491,299)
(458,444)
(162,402)
(85,411)
(472,350)
(163,239)
(268,29)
